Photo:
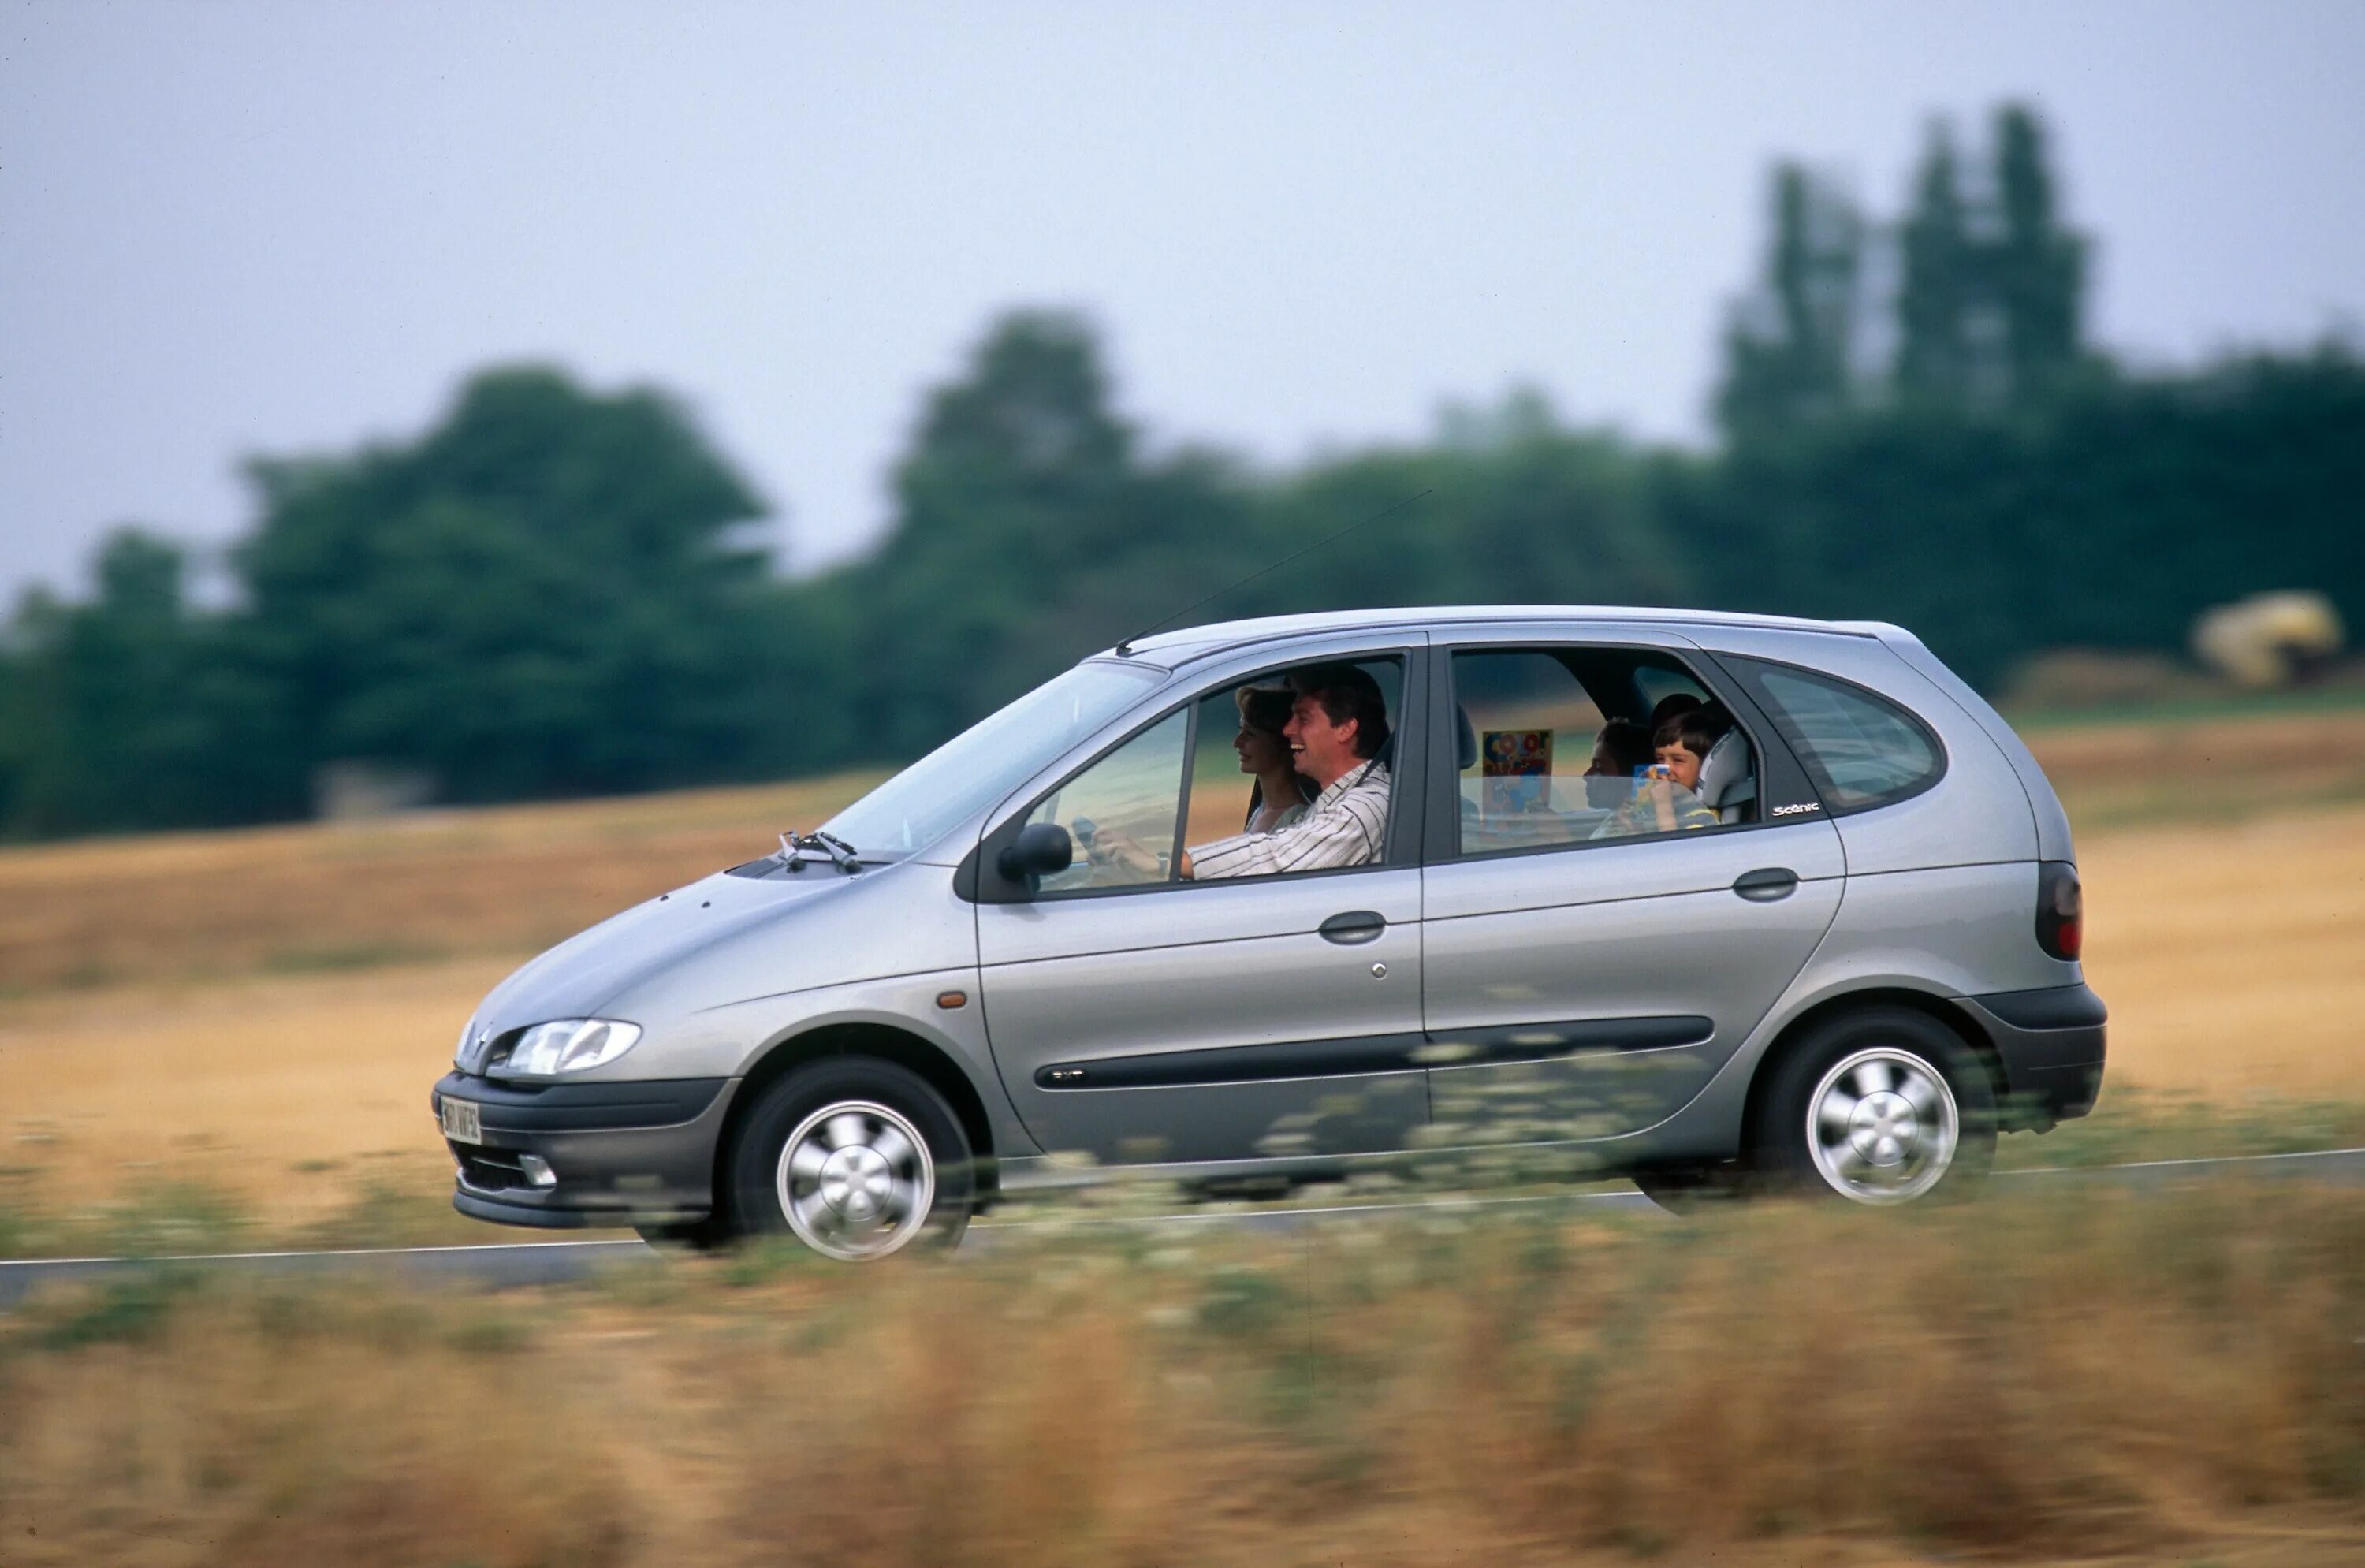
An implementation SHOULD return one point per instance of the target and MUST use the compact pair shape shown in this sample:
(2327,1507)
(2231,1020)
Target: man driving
(1337,725)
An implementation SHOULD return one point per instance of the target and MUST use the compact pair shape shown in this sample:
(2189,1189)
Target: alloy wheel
(1882,1126)
(856,1180)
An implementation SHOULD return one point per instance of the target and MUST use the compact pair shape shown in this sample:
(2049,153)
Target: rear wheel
(1882,1107)
(856,1158)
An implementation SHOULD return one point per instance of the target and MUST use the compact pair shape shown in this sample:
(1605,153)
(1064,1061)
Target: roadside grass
(2132,1123)
(169,1220)
(2039,1378)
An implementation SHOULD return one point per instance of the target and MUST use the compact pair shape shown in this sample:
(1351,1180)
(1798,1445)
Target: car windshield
(990,758)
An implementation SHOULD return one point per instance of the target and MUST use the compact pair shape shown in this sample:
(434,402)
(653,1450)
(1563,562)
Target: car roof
(1190,643)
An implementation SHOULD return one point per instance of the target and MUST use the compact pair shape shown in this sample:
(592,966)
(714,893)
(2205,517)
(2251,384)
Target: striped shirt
(1344,827)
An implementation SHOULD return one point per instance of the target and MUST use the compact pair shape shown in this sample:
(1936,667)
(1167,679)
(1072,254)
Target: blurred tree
(1032,531)
(555,591)
(2106,513)
(1028,533)
(1519,508)
(2039,267)
(121,710)
(1939,286)
(1992,299)
(1789,345)
(549,592)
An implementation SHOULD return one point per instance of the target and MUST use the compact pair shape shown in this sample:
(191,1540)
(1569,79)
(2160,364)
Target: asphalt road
(496,1265)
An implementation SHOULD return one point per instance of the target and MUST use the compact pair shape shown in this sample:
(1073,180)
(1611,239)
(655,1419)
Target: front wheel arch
(890,1165)
(883,1042)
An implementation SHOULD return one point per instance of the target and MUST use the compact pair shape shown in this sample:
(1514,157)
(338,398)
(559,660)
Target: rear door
(1584,972)
(1135,1018)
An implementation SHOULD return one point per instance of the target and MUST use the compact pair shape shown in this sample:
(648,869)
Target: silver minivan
(1718,900)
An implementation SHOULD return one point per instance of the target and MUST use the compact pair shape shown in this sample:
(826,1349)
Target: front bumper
(622,1153)
(2050,1045)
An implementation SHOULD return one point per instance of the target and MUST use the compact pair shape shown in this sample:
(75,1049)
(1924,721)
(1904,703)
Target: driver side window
(1123,812)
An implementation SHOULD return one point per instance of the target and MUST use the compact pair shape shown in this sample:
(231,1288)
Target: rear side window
(1555,747)
(1862,750)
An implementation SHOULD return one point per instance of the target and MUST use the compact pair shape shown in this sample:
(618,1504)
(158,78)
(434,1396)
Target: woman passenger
(1620,752)
(1281,793)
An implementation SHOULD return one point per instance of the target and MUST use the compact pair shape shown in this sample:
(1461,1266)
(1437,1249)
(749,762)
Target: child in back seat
(1667,798)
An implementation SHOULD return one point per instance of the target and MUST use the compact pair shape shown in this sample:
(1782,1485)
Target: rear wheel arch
(1807,1024)
(881,1042)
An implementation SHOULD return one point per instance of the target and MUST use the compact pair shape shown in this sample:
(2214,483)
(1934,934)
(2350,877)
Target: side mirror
(1040,850)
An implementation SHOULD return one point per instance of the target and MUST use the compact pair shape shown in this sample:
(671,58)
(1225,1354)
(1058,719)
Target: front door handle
(1355,925)
(1766,884)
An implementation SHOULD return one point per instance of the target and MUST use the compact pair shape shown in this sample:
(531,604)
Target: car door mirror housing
(1041,849)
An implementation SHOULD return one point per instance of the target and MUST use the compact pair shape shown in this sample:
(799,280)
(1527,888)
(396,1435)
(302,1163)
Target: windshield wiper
(842,855)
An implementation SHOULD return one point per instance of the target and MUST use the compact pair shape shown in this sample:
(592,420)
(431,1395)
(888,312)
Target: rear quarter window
(1861,749)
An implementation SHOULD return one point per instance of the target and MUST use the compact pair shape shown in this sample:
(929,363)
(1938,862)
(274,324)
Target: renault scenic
(1723,901)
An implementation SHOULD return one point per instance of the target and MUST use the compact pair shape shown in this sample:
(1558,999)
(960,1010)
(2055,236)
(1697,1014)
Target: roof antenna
(1124,644)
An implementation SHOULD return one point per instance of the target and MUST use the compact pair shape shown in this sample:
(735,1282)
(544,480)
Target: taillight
(2060,909)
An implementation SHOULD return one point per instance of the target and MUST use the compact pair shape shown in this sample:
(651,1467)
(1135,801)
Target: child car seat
(1727,783)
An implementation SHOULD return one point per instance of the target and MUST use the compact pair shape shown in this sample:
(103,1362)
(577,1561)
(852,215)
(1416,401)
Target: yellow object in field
(2268,639)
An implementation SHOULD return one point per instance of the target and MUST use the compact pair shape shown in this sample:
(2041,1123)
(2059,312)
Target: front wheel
(856,1158)
(1688,1189)
(1880,1107)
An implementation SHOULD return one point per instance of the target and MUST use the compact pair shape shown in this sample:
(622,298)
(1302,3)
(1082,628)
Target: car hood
(583,975)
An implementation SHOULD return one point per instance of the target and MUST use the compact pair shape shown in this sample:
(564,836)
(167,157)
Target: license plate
(463,1121)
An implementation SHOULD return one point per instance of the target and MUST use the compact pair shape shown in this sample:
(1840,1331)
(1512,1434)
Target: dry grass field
(263,1010)
(331,898)
(232,1035)
(2114,1380)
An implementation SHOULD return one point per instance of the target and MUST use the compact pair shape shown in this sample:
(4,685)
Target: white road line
(330,1252)
(2170,1164)
(1219,1217)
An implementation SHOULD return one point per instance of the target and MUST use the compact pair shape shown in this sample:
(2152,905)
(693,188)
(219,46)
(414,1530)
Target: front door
(1136,1016)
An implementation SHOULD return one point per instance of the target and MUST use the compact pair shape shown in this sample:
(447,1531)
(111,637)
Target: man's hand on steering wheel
(1112,846)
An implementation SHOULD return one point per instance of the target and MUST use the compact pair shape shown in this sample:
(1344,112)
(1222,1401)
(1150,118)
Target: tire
(858,1159)
(1687,1189)
(1881,1106)
(710,1234)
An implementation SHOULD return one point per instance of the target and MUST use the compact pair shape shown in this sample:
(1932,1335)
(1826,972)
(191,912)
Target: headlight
(567,1044)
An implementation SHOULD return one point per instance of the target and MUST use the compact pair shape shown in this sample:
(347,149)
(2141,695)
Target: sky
(245,227)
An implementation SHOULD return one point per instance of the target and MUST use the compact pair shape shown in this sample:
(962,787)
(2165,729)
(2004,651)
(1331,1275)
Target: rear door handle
(1766,884)
(1355,925)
